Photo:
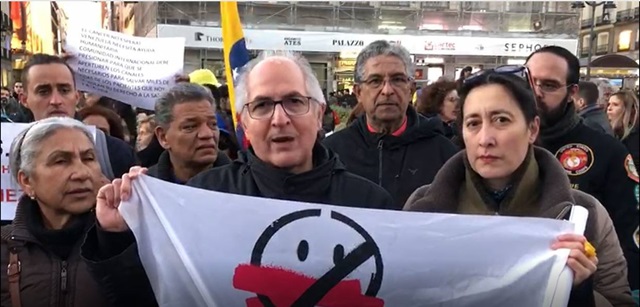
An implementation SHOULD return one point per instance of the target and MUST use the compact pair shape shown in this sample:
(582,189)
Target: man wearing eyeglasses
(390,144)
(281,106)
(596,163)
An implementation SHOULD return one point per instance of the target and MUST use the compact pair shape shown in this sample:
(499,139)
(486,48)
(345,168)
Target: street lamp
(592,34)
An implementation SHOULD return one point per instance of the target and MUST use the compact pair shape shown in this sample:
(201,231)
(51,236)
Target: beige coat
(542,190)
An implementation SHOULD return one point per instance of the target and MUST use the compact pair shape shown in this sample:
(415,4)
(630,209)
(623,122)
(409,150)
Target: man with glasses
(281,105)
(596,163)
(391,144)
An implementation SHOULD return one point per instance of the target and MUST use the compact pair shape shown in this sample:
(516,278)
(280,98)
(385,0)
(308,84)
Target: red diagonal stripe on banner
(284,287)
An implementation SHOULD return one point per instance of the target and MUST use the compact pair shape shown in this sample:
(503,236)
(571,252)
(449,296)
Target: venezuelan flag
(236,56)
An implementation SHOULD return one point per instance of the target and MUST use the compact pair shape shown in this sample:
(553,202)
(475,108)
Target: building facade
(38,27)
(443,36)
(6,77)
(616,32)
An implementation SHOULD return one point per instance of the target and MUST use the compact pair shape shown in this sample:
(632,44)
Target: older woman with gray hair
(54,163)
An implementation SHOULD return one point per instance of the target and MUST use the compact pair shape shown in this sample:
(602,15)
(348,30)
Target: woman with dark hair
(464,73)
(501,172)
(125,112)
(441,99)
(104,119)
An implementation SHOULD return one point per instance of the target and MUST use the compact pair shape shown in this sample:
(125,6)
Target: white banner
(11,192)
(130,69)
(203,248)
(259,39)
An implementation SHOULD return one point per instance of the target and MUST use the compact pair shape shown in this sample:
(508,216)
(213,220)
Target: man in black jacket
(50,90)
(596,163)
(391,144)
(281,105)
(593,115)
(187,130)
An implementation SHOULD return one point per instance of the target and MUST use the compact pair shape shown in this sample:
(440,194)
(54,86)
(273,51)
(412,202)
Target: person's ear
(25,184)
(357,88)
(534,129)
(161,135)
(320,114)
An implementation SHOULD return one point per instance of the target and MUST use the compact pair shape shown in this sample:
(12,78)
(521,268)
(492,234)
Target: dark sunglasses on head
(517,70)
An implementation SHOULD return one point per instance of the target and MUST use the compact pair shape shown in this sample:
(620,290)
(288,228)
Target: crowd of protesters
(515,140)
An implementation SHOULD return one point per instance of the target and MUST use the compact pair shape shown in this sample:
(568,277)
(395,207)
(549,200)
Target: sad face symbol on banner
(308,259)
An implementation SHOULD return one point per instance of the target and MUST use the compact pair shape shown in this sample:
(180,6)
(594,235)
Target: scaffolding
(523,18)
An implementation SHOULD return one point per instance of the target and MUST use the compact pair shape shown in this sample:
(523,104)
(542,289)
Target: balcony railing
(584,50)
(600,21)
(600,49)
(624,15)
(585,23)
(524,7)
(436,5)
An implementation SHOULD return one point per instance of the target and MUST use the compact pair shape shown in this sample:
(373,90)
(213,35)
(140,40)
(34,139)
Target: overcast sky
(87,13)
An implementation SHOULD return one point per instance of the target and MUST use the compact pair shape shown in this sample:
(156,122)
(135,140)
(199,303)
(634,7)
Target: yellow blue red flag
(236,56)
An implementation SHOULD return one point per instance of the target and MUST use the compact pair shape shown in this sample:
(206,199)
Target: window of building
(624,40)
(585,43)
(603,39)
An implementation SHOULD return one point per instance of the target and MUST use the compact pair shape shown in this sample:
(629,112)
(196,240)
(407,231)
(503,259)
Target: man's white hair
(311,83)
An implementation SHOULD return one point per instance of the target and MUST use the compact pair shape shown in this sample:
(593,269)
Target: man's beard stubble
(550,117)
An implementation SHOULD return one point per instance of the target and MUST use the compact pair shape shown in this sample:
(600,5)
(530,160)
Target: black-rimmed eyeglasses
(265,108)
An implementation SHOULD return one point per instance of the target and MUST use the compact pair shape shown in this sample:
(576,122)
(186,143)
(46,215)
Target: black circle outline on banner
(267,234)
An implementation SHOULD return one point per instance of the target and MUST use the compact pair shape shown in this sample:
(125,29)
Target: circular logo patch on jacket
(632,171)
(576,158)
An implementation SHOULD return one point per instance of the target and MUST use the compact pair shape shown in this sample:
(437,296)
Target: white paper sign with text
(134,70)
(202,248)
(11,192)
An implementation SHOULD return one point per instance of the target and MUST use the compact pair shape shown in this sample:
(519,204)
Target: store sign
(439,46)
(346,63)
(199,37)
(522,47)
(307,41)
(348,42)
(293,41)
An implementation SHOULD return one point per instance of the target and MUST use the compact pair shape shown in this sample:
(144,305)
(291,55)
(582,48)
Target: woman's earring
(32,196)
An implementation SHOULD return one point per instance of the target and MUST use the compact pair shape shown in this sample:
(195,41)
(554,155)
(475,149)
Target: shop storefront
(327,47)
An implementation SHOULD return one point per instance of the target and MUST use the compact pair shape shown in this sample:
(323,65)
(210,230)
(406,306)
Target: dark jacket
(52,273)
(541,189)
(121,155)
(595,164)
(164,169)
(450,129)
(113,258)
(399,164)
(596,118)
(150,155)
(11,111)
(328,121)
